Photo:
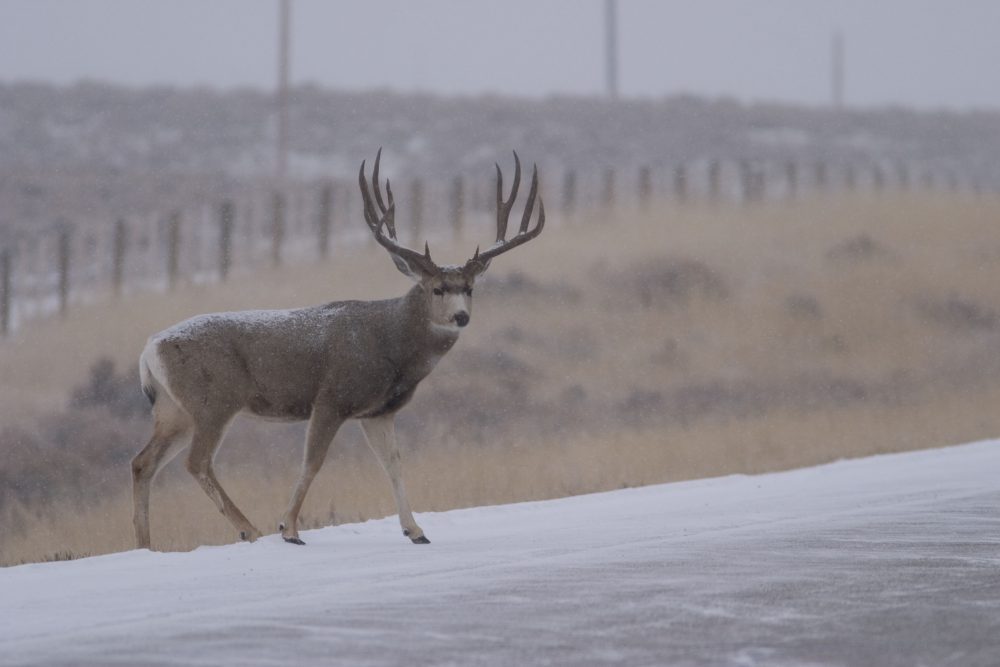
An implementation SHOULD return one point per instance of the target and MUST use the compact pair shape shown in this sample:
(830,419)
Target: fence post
(277,227)
(645,186)
(953,181)
(325,219)
(63,261)
(747,181)
(680,184)
(608,192)
(173,248)
(5,296)
(792,179)
(820,175)
(903,175)
(714,180)
(569,194)
(878,178)
(226,218)
(417,199)
(850,177)
(457,201)
(118,257)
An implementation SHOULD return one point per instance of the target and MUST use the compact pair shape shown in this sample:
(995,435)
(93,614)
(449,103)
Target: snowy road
(891,560)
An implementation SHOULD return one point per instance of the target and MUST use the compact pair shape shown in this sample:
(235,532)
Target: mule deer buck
(326,364)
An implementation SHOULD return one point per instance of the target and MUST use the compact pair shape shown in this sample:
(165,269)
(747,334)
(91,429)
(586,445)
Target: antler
(480,261)
(387,219)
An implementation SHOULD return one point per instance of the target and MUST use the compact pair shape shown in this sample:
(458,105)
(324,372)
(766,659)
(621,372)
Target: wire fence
(48,273)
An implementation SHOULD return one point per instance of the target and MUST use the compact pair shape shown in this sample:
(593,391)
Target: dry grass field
(616,350)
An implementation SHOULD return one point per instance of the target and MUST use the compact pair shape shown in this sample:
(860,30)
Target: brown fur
(343,360)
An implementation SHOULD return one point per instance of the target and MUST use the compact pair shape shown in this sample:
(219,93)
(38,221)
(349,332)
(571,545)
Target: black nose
(461,318)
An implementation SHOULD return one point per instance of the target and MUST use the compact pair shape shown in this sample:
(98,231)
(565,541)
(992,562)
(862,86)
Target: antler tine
(378,189)
(368,208)
(530,204)
(481,259)
(503,207)
(500,204)
(375,223)
(390,221)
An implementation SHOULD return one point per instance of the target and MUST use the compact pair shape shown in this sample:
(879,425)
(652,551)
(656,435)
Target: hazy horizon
(925,54)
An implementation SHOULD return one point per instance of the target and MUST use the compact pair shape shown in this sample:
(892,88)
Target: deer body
(343,360)
(357,359)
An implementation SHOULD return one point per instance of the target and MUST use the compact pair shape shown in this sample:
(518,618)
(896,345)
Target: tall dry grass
(616,350)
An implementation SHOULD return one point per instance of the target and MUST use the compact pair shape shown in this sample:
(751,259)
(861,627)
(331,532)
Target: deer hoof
(420,540)
(294,540)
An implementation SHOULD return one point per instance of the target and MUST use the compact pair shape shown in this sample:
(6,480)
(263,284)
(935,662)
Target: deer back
(358,358)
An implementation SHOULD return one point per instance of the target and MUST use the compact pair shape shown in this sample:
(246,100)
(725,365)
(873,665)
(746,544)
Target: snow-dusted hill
(892,560)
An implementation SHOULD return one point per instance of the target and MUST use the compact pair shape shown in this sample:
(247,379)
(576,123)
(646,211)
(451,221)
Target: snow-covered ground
(891,560)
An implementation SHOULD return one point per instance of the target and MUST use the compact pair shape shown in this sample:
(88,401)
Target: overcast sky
(924,53)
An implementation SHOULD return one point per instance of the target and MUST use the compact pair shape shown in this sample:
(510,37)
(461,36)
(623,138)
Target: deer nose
(461,318)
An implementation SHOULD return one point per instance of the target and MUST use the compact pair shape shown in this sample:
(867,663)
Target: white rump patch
(152,372)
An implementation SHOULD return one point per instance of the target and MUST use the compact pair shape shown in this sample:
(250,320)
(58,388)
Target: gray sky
(924,53)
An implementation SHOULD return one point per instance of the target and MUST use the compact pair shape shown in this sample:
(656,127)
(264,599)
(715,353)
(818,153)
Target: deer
(324,364)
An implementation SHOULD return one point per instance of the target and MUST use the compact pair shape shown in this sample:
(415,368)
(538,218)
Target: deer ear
(412,270)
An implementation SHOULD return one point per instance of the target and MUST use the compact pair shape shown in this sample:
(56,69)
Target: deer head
(448,289)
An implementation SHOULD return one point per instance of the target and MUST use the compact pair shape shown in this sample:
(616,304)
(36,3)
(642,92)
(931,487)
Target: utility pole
(611,47)
(837,70)
(284,46)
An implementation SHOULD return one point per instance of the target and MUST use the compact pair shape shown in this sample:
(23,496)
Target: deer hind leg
(380,433)
(171,430)
(322,428)
(205,441)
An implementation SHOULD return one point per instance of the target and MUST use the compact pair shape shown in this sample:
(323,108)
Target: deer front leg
(380,433)
(322,428)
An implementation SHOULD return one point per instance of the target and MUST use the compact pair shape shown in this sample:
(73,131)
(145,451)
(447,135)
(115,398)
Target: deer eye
(438,291)
(468,291)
